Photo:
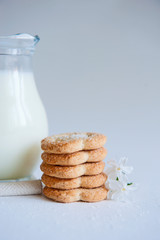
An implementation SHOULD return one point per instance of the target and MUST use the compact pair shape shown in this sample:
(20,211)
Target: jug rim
(18,44)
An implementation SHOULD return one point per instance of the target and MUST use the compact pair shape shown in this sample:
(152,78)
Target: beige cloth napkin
(20,187)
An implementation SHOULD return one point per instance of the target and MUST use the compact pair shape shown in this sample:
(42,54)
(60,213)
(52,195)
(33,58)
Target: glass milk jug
(23,122)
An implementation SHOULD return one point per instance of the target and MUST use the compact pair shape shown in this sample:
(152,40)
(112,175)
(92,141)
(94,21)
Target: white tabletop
(35,217)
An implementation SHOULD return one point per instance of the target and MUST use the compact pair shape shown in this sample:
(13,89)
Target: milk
(23,124)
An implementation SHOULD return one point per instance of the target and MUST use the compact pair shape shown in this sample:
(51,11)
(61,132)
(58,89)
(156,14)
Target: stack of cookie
(73,168)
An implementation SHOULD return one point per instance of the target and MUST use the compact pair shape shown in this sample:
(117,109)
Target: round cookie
(72,142)
(72,171)
(76,158)
(74,195)
(83,181)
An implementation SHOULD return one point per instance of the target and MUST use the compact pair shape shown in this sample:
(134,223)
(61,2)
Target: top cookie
(72,142)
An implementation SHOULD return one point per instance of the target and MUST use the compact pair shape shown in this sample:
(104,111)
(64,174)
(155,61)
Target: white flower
(118,189)
(116,170)
(117,184)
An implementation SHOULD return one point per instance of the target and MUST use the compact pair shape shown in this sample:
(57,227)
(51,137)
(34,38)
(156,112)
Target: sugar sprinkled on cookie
(71,136)
(72,142)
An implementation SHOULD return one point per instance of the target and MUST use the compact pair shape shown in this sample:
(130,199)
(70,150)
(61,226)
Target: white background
(96,69)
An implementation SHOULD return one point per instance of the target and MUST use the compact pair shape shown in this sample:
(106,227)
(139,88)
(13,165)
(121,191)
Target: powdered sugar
(71,136)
